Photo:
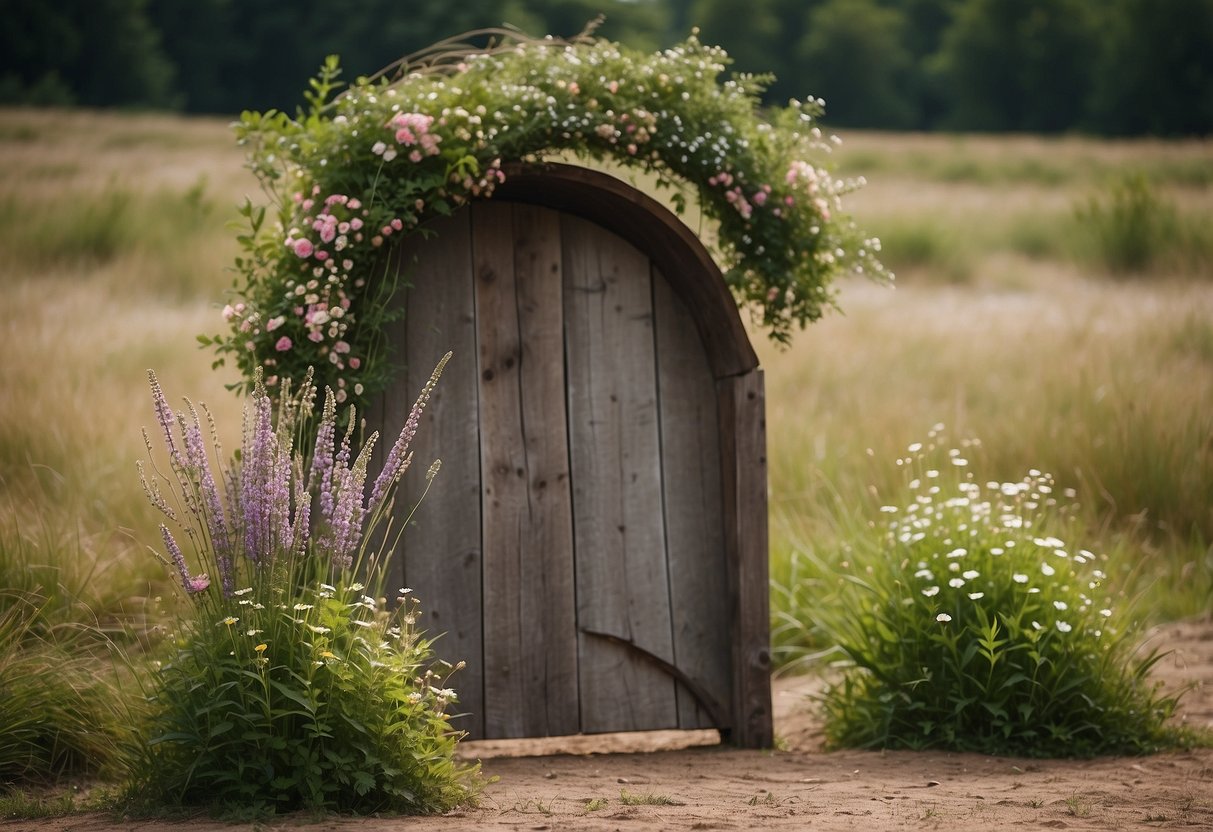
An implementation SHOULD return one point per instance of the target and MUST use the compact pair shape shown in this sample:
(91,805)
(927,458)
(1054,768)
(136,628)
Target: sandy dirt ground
(803,787)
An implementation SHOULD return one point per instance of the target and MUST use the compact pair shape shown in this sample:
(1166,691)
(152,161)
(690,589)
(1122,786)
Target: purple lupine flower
(303,509)
(255,497)
(320,478)
(398,459)
(192,585)
(164,415)
(280,495)
(195,454)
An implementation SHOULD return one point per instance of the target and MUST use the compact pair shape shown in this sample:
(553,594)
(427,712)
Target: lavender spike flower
(398,460)
(301,529)
(255,498)
(320,477)
(164,415)
(193,585)
(195,455)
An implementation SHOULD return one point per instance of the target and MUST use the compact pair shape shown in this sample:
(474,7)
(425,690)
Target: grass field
(1018,319)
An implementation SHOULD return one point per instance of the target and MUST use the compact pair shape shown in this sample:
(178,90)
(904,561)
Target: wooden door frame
(697,281)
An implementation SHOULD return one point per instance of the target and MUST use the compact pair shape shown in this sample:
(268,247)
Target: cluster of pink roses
(412,130)
(738,199)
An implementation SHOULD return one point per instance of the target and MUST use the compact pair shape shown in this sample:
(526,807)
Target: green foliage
(304,695)
(852,55)
(349,180)
(89,52)
(290,683)
(1015,65)
(969,625)
(1155,72)
(1130,230)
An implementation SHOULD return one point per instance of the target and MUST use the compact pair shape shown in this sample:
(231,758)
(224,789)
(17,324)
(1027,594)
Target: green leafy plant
(353,176)
(290,683)
(968,624)
(1131,229)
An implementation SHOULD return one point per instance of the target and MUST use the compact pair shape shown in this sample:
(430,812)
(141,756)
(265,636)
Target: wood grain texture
(622,587)
(655,231)
(744,465)
(690,454)
(442,549)
(530,630)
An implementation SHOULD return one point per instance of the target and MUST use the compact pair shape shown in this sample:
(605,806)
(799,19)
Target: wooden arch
(596,545)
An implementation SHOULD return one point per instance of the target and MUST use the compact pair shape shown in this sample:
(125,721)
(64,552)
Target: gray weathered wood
(530,631)
(442,549)
(690,453)
(646,224)
(622,586)
(744,466)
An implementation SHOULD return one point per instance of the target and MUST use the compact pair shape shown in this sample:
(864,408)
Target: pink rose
(283,344)
(355,363)
(303,248)
(760,198)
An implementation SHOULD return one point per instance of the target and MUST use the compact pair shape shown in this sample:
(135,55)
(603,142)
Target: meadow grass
(1001,327)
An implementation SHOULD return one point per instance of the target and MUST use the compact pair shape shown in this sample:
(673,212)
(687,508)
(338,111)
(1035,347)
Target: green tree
(98,53)
(750,30)
(1155,73)
(853,56)
(1018,64)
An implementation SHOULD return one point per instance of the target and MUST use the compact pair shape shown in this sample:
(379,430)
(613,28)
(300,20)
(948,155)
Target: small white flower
(1064,627)
(943,617)
(244,591)
(974,596)
(1019,578)
(1036,626)
(924,573)
(1106,613)
(1047,570)
(956,583)
(971,574)
(1061,605)
(931,590)
(303,606)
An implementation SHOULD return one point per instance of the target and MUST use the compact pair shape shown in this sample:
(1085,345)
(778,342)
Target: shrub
(970,625)
(291,685)
(1132,229)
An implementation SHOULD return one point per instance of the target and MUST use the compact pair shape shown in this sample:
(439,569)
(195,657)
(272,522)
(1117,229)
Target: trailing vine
(354,174)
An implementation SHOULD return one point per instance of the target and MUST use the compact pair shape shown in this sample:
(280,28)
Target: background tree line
(1114,67)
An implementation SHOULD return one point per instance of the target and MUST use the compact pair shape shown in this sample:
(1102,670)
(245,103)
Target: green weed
(970,624)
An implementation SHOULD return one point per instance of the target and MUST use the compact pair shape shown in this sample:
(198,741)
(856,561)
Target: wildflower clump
(290,682)
(360,172)
(970,624)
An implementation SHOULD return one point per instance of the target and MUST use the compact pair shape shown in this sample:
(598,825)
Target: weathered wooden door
(573,549)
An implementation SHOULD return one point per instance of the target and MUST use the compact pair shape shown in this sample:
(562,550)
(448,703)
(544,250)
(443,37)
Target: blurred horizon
(1117,68)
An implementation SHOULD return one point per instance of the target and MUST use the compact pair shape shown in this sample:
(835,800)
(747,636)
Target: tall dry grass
(117,250)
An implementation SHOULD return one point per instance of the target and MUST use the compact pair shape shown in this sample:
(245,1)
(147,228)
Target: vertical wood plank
(623,609)
(530,635)
(442,550)
(744,469)
(690,452)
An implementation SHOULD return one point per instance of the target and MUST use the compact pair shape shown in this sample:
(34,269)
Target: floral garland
(358,173)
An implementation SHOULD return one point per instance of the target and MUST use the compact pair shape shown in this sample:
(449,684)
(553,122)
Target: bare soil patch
(803,787)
